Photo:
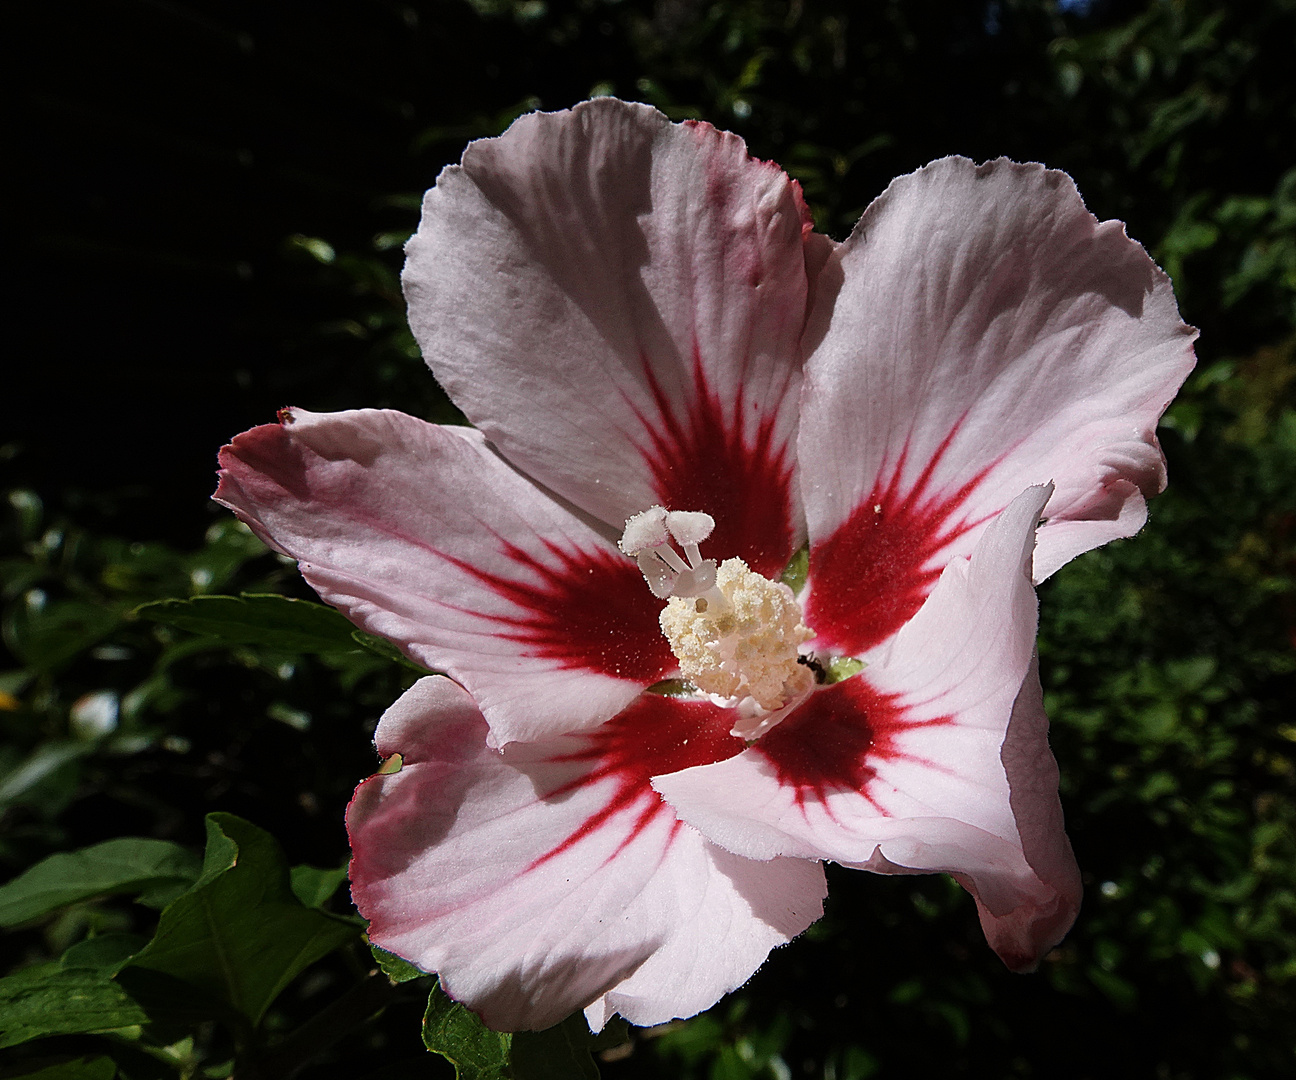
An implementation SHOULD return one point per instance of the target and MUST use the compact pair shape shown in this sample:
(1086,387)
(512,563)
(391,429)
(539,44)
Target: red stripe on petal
(875,571)
(589,609)
(704,462)
(583,609)
(654,736)
(834,741)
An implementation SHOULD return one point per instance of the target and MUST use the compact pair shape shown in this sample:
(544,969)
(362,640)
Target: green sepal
(798,567)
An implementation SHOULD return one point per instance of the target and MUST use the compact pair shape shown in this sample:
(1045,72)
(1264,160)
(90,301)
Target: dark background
(168,151)
(210,204)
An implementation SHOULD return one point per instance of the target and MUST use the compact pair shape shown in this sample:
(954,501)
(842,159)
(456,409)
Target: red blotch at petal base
(834,741)
(872,575)
(586,609)
(654,736)
(704,462)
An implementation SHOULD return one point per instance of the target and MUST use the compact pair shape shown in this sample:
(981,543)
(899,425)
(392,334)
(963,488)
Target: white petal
(987,334)
(551,878)
(617,302)
(421,534)
(934,759)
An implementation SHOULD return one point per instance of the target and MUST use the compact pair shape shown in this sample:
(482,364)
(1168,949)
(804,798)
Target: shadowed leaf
(257,619)
(240,935)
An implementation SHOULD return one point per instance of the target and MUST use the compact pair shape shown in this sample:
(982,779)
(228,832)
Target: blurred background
(212,198)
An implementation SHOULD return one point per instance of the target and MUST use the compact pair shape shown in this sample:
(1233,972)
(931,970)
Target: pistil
(735,634)
(741,640)
(648,538)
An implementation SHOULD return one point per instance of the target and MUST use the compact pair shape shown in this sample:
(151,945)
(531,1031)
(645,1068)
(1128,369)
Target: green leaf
(561,1052)
(105,953)
(82,1068)
(220,854)
(451,1030)
(314,886)
(50,1000)
(125,865)
(46,637)
(38,779)
(616,1032)
(395,968)
(384,648)
(240,935)
(296,626)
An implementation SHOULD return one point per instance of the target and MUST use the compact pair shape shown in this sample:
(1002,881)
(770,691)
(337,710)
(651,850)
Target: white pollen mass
(740,639)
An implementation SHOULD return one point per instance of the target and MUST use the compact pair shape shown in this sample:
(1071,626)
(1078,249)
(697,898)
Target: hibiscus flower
(620,794)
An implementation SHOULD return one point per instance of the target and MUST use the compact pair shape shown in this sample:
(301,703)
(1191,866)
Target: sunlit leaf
(454,1032)
(50,1000)
(128,865)
(395,968)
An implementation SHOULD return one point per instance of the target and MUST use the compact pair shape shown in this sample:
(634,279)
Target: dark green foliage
(561,1052)
(315,886)
(252,619)
(211,229)
(277,622)
(240,935)
(153,868)
(224,948)
(97,1068)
